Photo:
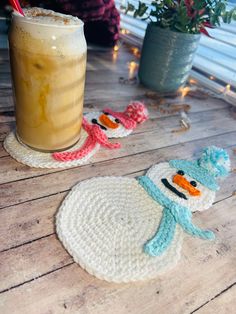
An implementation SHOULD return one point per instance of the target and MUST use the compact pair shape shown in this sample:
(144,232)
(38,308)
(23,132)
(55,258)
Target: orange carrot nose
(105,120)
(185,184)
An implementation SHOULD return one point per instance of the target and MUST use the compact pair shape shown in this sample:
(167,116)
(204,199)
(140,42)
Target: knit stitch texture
(95,136)
(122,229)
(33,158)
(104,222)
(172,213)
(92,138)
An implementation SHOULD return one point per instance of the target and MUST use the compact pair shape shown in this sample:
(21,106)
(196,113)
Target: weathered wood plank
(115,91)
(29,221)
(3,153)
(196,106)
(34,219)
(109,72)
(46,250)
(110,68)
(106,76)
(104,53)
(57,182)
(120,104)
(70,289)
(5,128)
(6,100)
(224,303)
(139,141)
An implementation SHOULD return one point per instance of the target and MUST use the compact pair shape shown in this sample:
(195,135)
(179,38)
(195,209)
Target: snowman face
(111,126)
(180,187)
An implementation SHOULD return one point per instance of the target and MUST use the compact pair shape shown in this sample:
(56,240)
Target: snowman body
(122,229)
(111,219)
(104,223)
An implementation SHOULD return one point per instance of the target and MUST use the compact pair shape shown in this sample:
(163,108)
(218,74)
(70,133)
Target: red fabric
(102,19)
(136,112)
(95,135)
(127,122)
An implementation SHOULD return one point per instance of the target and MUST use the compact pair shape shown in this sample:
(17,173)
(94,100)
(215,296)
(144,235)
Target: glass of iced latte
(48,62)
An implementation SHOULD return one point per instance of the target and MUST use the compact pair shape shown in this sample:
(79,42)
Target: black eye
(106,113)
(181,172)
(193,183)
(117,120)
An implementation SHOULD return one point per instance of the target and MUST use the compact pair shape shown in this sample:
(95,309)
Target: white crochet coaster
(121,229)
(104,222)
(97,128)
(32,158)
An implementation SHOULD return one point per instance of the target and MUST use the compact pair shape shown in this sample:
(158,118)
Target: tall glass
(48,63)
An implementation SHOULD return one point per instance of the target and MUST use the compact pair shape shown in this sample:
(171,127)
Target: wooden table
(36,273)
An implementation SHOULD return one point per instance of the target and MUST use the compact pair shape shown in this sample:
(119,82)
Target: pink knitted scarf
(95,135)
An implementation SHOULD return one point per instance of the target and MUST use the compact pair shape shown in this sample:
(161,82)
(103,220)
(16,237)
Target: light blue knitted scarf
(173,213)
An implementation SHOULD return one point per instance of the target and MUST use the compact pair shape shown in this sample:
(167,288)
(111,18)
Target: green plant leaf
(183,16)
(130,8)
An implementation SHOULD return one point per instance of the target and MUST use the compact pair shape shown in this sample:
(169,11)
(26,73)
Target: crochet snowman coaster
(123,229)
(33,158)
(97,128)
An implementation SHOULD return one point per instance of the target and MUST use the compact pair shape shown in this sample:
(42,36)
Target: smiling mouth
(173,189)
(95,121)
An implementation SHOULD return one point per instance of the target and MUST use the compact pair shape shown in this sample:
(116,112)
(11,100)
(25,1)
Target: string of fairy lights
(225,93)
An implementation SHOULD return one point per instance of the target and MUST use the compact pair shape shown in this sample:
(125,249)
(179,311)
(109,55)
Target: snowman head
(119,124)
(192,184)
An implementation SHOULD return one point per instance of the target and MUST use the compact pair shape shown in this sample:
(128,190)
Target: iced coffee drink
(48,62)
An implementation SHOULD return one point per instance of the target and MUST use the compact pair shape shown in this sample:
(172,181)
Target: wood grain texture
(33,223)
(201,262)
(223,303)
(37,276)
(156,131)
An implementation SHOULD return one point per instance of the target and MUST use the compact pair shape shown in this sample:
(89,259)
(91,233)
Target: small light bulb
(192,81)
(184,91)
(132,65)
(227,87)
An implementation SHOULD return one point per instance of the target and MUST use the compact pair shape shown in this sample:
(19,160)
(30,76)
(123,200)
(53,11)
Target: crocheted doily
(104,222)
(32,158)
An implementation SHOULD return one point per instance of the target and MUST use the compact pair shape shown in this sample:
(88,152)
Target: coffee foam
(49,17)
(48,32)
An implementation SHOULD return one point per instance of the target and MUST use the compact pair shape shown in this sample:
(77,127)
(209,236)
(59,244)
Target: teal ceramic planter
(166,58)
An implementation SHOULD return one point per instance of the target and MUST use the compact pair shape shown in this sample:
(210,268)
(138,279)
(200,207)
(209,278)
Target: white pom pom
(216,161)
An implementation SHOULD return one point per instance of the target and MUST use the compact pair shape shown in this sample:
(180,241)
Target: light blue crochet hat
(213,163)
